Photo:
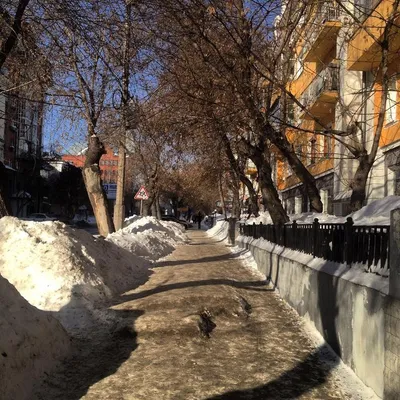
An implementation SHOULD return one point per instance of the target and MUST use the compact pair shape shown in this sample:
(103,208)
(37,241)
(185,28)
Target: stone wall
(392,314)
(392,351)
(350,311)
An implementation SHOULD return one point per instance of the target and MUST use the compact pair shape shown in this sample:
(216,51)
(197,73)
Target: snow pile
(377,212)
(130,220)
(148,237)
(374,213)
(56,267)
(31,343)
(219,230)
(263,217)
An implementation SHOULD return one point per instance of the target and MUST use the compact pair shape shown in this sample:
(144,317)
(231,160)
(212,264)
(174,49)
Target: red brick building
(108,164)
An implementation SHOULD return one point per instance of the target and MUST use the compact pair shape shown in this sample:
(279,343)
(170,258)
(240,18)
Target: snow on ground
(31,343)
(374,213)
(219,230)
(68,271)
(344,374)
(148,237)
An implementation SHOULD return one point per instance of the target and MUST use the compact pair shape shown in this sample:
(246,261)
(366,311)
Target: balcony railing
(326,81)
(328,12)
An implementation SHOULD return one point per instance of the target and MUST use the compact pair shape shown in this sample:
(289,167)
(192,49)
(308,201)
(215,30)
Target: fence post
(394,255)
(315,236)
(261,230)
(284,235)
(294,234)
(254,231)
(348,231)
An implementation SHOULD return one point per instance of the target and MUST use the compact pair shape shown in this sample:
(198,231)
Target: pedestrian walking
(199,219)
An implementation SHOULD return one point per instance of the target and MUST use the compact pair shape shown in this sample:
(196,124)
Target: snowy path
(259,349)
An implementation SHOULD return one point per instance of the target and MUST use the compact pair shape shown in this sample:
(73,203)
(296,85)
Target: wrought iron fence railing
(342,243)
(326,80)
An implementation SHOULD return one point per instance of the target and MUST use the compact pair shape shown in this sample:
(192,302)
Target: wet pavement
(203,327)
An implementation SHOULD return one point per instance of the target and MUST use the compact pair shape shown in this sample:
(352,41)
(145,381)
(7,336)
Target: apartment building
(336,77)
(20,148)
(364,57)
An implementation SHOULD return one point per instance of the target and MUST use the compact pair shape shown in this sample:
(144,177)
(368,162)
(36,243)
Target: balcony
(323,38)
(322,93)
(364,51)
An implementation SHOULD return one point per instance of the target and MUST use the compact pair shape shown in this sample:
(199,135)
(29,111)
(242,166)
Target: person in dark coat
(199,217)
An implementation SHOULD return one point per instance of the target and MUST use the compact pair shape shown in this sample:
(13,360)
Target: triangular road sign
(142,194)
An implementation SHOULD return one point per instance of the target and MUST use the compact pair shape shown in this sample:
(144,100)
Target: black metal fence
(343,243)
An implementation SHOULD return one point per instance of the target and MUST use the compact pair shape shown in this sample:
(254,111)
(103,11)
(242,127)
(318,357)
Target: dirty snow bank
(31,343)
(374,213)
(68,271)
(54,263)
(148,237)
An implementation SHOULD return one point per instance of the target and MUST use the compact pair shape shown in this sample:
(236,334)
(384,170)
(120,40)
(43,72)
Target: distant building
(108,168)
(20,148)
(108,164)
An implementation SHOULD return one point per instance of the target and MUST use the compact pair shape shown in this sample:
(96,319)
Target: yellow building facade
(338,80)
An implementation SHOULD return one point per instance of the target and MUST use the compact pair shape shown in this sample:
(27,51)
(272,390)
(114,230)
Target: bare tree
(13,25)
(214,45)
(83,79)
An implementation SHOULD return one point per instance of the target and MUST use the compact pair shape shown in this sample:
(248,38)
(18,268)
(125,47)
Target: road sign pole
(141,208)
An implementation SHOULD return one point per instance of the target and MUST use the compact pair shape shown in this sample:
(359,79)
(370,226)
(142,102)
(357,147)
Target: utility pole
(119,209)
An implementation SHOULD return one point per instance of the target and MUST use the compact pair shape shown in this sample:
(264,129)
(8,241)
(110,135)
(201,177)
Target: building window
(391,101)
(327,146)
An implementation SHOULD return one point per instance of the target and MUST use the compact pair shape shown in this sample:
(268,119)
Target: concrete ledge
(346,305)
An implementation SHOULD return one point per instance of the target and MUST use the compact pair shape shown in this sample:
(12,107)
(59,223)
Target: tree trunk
(221,195)
(119,208)
(359,184)
(236,201)
(5,206)
(252,195)
(158,207)
(268,190)
(12,39)
(92,178)
(301,172)
(155,207)
(3,209)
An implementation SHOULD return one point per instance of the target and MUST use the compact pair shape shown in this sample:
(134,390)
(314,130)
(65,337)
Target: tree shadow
(94,356)
(318,365)
(223,257)
(248,285)
(307,375)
